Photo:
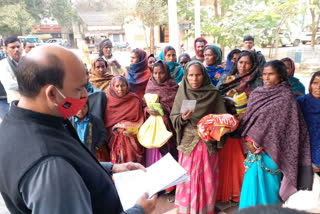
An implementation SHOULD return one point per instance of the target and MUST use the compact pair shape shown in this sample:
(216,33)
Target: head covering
(229,58)
(297,87)
(176,70)
(194,45)
(208,99)
(119,109)
(275,123)
(288,59)
(166,90)
(215,49)
(98,81)
(138,74)
(246,83)
(102,44)
(215,71)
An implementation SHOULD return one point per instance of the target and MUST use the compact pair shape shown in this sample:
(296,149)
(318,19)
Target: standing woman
(297,87)
(123,111)
(168,54)
(277,139)
(310,106)
(161,83)
(212,62)
(105,51)
(243,76)
(199,158)
(138,73)
(99,76)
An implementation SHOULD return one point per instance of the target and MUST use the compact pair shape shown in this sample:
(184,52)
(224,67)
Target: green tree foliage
(152,13)
(17,16)
(14,19)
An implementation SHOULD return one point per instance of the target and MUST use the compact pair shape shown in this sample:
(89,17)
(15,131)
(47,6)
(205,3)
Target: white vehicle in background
(305,36)
(55,41)
(33,39)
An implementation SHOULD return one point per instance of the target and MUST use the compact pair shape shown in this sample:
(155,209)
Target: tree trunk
(145,36)
(216,13)
(313,27)
(277,42)
(152,40)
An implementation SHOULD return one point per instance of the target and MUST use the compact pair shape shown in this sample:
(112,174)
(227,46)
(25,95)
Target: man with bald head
(44,166)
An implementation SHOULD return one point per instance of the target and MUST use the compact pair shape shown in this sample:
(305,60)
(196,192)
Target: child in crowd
(90,129)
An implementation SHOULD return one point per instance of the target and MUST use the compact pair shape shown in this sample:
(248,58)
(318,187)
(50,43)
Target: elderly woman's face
(244,65)
(121,88)
(100,68)
(315,87)
(195,76)
(270,77)
(210,58)
(171,56)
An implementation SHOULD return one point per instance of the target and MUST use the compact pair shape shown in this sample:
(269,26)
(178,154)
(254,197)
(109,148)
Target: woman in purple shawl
(277,139)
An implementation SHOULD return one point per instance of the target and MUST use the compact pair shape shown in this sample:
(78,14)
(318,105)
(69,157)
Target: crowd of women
(273,153)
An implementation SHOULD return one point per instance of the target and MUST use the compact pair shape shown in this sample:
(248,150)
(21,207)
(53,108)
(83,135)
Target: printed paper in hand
(165,173)
(188,105)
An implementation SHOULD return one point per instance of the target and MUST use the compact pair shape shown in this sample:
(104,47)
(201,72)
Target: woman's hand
(187,115)
(239,116)
(250,147)
(315,169)
(152,112)
(127,134)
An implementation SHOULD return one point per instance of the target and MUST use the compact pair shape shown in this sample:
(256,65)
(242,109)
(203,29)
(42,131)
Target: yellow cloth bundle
(241,101)
(153,133)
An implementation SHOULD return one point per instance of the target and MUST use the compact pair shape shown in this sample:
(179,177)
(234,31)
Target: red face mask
(70,107)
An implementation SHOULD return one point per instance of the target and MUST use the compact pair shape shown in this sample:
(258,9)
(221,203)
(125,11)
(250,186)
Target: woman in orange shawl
(123,111)
(99,76)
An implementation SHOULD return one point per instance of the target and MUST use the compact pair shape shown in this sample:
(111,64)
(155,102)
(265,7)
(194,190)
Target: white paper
(188,105)
(165,173)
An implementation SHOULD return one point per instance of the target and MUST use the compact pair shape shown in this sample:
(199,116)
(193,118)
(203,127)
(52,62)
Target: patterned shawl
(176,70)
(125,110)
(245,83)
(166,90)
(274,121)
(194,45)
(138,74)
(100,82)
(215,71)
(208,99)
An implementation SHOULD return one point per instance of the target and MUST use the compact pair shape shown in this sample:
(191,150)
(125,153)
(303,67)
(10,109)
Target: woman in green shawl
(168,54)
(198,157)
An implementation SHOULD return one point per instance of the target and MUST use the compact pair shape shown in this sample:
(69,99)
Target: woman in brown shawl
(199,158)
(99,76)
(277,139)
(164,85)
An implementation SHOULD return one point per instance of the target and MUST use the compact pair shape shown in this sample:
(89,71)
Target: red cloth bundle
(214,126)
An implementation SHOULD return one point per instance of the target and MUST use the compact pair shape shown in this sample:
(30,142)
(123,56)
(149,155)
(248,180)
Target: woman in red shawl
(123,111)
(138,72)
(164,85)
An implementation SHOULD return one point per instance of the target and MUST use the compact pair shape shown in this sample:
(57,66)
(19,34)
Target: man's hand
(123,167)
(147,204)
